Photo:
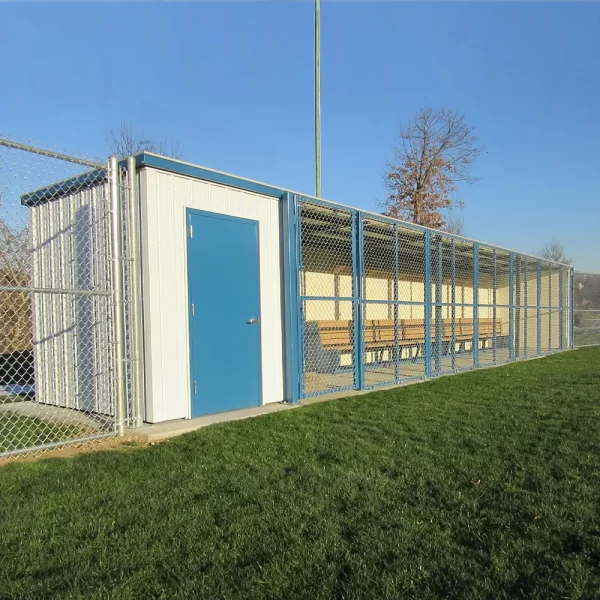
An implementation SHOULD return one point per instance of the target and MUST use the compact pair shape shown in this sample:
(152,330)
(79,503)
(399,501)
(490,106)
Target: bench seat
(381,333)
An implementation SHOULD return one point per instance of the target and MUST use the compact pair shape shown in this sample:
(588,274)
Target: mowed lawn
(481,485)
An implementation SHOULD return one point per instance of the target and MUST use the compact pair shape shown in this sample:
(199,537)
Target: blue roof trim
(62,188)
(175,166)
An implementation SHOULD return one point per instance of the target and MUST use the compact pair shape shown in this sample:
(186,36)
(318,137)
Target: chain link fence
(64,303)
(587,309)
(384,302)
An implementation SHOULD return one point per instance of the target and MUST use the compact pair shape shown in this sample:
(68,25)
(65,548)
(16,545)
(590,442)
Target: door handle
(252,321)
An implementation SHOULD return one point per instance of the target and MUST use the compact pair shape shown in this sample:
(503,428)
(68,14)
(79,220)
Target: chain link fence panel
(587,309)
(384,301)
(57,340)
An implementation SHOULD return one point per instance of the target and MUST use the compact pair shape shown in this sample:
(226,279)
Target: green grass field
(484,485)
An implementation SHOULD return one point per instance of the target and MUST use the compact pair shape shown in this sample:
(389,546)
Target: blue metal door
(224,290)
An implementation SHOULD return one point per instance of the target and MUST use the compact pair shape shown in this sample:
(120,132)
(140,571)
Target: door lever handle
(252,321)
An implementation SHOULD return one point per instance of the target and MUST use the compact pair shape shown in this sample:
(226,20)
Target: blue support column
(358,258)
(494,302)
(453,302)
(511,306)
(539,307)
(294,376)
(550,308)
(526,309)
(302,305)
(572,308)
(438,305)
(396,306)
(428,370)
(476,305)
(561,308)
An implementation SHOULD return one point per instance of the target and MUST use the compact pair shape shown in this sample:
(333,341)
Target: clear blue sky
(233,84)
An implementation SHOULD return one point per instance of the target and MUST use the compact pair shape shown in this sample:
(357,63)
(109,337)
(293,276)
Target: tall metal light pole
(318,97)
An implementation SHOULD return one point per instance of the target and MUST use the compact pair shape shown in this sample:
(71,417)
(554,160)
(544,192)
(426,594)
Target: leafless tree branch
(554,250)
(435,153)
(125,141)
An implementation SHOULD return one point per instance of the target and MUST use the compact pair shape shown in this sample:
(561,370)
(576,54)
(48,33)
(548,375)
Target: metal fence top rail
(48,153)
(180,167)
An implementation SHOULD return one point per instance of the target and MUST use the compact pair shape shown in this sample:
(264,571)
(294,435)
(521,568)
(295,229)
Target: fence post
(494,308)
(511,306)
(550,280)
(572,309)
(118,306)
(453,302)
(294,343)
(438,305)
(526,309)
(358,241)
(137,350)
(428,370)
(561,312)
(476,305)
(539,307)
(397,350)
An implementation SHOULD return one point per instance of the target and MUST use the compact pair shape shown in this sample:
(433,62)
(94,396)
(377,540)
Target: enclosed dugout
(253,294)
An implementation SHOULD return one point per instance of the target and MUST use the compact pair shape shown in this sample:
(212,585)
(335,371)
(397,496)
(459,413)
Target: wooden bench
(381,333)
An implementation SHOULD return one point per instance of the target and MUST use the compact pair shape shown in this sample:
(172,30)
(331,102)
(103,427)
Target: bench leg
(415,353)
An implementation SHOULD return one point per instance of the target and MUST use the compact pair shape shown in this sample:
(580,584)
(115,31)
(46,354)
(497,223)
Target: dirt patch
(124,444)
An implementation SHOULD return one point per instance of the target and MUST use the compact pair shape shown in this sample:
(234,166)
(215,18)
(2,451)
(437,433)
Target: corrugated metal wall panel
(70,252)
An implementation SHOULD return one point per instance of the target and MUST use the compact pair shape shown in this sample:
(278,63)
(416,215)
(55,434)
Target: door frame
(215,215)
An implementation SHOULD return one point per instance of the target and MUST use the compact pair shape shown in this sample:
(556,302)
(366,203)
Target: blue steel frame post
(561,308)
(396,307)
(428,303)
(572,308)
(539,307)
(511,306)
(294,375)
(494,301)
(476,305)
(549,308)
(453,302)
(300,284)
(525,320)
(358,261)
(438,305)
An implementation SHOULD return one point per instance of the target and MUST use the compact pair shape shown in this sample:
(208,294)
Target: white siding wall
(164,200)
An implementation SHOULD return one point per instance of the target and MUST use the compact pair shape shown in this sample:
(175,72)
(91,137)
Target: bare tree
(14,249)
(455,225)
(15,306)
(124,141)
(435,153)
(555,251)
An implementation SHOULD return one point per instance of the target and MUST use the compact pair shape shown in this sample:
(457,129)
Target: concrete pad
(57,414)
(154,432)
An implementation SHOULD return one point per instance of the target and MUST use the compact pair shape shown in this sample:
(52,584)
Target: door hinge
(193,310)
(195,387)
(191,231)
